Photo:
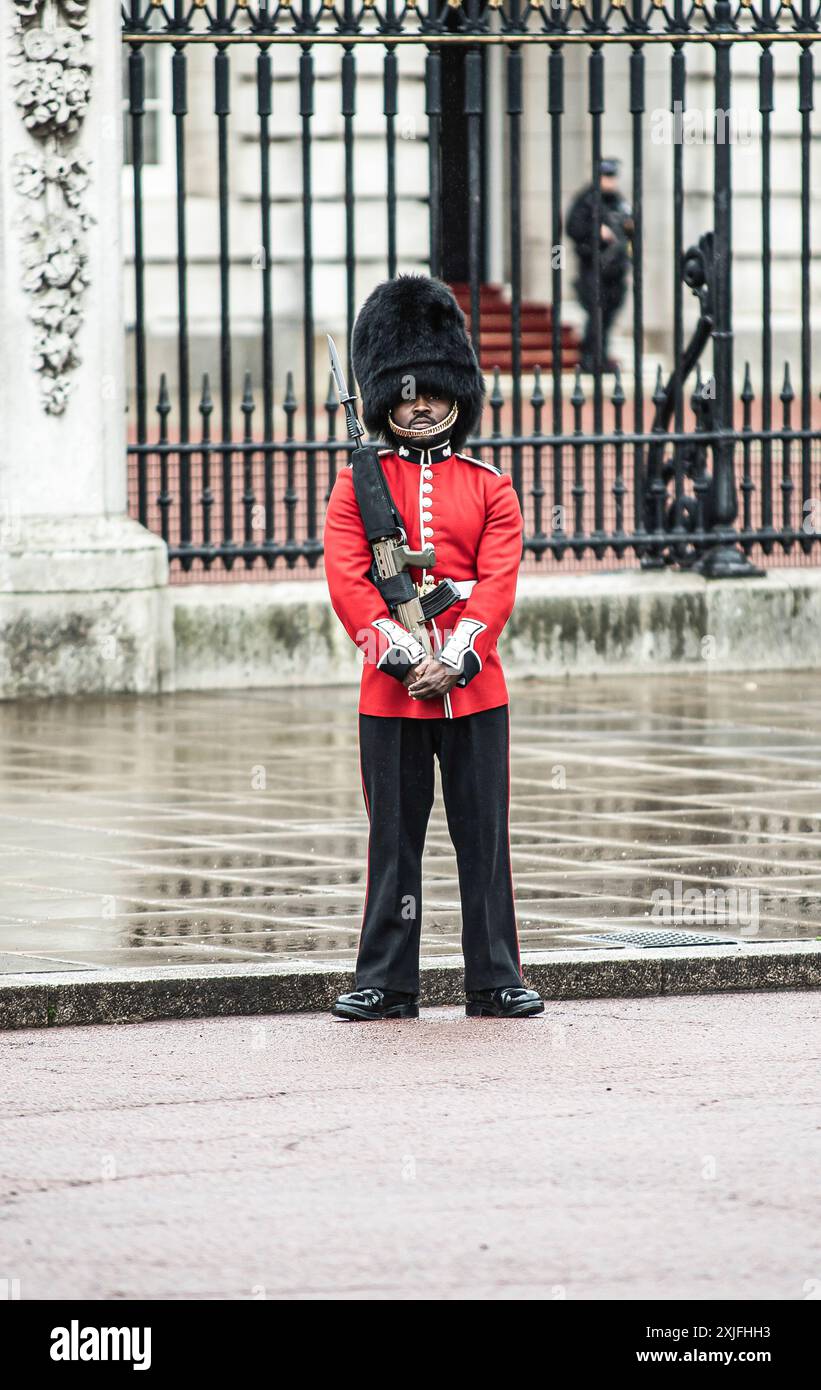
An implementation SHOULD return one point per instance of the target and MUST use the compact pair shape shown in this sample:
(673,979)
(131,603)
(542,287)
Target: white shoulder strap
(480,463)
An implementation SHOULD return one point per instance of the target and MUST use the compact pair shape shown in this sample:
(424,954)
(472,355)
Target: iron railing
(609,472)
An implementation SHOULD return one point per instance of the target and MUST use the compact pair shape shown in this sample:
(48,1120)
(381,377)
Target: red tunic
(470,513)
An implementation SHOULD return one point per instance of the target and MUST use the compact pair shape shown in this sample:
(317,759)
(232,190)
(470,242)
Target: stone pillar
(83,588)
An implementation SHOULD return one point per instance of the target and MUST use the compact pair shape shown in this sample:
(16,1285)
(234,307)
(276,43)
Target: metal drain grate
(662,938)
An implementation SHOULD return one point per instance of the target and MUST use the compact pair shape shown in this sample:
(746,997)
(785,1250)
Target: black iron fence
(699,467)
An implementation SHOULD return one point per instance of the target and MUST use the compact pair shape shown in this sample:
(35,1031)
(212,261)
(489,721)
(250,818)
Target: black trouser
(612,296)
(397,761)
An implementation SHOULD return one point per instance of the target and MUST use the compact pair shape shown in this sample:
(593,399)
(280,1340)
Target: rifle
(386,532)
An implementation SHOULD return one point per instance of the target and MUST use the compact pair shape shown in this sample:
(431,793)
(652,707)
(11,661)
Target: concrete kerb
(139,995)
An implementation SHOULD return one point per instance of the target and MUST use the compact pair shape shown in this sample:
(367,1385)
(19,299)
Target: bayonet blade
(339,375)
(355,430)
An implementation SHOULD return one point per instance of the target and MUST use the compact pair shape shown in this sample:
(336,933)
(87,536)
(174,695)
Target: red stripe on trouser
(509,862)
(368,857)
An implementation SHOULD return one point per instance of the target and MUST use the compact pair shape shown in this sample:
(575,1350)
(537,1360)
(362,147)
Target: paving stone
(208,828)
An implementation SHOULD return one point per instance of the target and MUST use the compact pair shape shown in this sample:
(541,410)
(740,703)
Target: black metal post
(766,106)
(724,559)
(515,107)
(265,112)
(390,107)
(180,110)
(806,83)
(473,116)
(637,105)
(555,106)
(136,107)
(596,108)
(348,114)
(222,108)
(433,110)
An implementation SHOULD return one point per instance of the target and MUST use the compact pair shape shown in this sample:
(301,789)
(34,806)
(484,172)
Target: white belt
(465,586)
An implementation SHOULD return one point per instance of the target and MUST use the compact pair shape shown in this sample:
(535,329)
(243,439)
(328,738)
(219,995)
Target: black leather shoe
(508,1002)
(363,1004)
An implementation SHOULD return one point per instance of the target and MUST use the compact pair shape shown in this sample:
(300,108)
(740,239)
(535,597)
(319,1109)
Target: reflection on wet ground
(230,827)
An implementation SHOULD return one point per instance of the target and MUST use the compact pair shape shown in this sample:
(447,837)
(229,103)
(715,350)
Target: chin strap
(430,432)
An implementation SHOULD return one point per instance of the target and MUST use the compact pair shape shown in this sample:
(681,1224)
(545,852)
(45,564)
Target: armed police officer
(436,691)
(616,230)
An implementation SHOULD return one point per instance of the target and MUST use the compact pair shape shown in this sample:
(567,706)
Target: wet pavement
(610,1149)
(202,828)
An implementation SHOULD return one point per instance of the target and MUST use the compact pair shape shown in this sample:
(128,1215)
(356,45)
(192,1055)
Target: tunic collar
(436,454)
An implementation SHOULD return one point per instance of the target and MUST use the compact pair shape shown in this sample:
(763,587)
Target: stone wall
(240,635)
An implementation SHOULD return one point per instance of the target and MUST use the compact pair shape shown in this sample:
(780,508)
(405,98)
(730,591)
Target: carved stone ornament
(51,78)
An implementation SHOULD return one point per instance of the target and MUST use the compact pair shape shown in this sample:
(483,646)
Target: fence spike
(289,404)
(163,399)
(497,399)
(331,407)
(787,392)
(247,406)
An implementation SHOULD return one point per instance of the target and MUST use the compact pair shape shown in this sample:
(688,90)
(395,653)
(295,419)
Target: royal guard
(609,291)
(422,551)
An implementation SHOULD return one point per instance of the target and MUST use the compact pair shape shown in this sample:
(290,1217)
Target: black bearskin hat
(413,326)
